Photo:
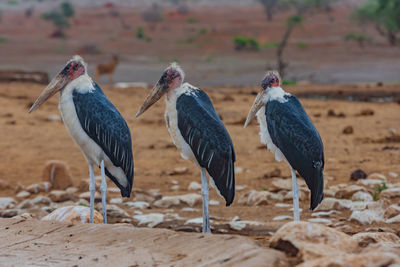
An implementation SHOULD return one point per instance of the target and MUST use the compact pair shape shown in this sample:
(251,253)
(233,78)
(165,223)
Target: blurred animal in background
(107,68)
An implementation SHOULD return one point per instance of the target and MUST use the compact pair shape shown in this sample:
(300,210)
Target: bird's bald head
(271,79)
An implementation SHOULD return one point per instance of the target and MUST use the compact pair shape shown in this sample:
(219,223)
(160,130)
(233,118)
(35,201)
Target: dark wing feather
(209,140)
(104,124)
(293,132)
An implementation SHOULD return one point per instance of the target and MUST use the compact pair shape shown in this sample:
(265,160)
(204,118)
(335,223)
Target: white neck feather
(82,84)
(275,93)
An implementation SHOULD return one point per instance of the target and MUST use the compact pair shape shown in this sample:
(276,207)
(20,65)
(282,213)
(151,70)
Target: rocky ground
(43,176)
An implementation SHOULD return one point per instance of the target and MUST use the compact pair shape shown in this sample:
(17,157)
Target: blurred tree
(302,9)
(269,6)
(384,14)
(60,18)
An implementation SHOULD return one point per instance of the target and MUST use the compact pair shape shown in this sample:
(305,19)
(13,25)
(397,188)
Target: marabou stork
(95,125)
(290,134)
(199,133)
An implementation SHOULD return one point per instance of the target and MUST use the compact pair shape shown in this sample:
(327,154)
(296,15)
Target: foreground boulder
(31,242)
(79,214)
(57,174)
(309,241)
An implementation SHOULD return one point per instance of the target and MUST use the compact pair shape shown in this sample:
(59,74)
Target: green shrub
(245,43)
(140,33)
(378,190)
(271,45)
(288,82)
(203,31)
(302,45)
(3,39)
(191,20)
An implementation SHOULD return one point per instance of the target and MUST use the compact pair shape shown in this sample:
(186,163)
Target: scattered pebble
(348,130)
(194,186)
(282,218)
(23,195)
(320,220)
(282,205)
(179,171)
(393,175)
(137,204)
(150,220)
(116,200)
(214,202)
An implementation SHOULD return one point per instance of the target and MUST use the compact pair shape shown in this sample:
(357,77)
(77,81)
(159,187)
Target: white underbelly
(171,120)
(265,137)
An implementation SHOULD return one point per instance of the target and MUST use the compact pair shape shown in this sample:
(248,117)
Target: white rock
(392,210)
(194,186)
(390,193)
(190,199)
(25,204)
(329,193)
(366,216)
(41,200)
(195,221)
(214,203)
(190,210)
(238,170)
(240,225)
(376,176)
(137,204)
(282,205)
(329,203)
(362,196)
(23,195)
(240,187)
(173,217)
(167,201)
(59,195)
(114,211)
(7,203)
(175,187)
(282,218)
(358,205)
(319,220)
(150,220)
(395,219)
(116,200)
(393,175)
(324,213)
(72,190)
(370,182)
(73,214)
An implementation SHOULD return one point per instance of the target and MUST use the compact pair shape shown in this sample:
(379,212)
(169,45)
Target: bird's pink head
(72,70)
(271,79)
(171,79)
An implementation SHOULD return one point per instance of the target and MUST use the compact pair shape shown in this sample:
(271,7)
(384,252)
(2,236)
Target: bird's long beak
(258,103)
(157,92)
(58,83)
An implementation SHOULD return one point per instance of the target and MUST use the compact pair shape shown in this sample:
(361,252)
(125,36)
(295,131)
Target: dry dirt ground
(29,140)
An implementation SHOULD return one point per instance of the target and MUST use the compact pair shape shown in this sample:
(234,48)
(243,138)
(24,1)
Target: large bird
(290,134)
(199,133)
(95,125)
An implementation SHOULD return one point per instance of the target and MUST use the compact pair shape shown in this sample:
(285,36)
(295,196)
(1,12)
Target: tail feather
(317,187)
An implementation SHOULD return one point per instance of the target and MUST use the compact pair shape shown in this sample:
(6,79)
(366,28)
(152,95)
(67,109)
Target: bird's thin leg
(92,190)
(103,190)
(204,193)
(295,194)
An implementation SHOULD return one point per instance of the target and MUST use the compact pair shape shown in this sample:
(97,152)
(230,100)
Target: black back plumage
(293,132)
(103,123)
(209,140)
